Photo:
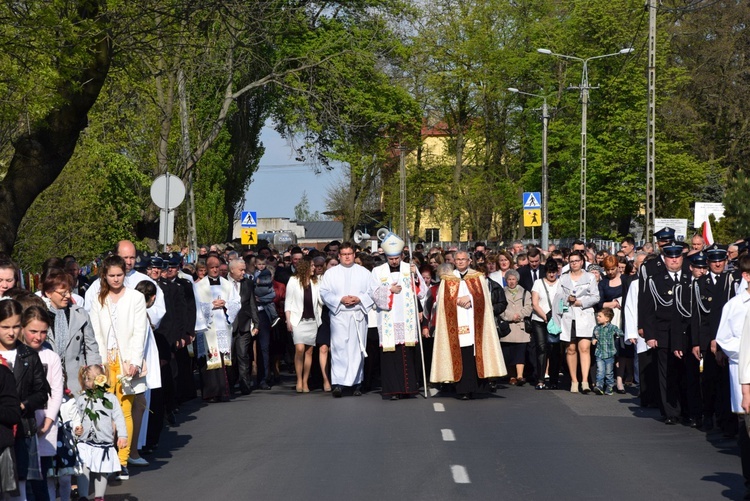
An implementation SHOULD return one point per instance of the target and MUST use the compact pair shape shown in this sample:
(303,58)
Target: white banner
(680,227)
(703,209)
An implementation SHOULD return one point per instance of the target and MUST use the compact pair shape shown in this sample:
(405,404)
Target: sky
(278,184)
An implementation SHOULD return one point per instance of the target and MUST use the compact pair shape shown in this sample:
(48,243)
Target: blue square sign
(249,220)
(532,200)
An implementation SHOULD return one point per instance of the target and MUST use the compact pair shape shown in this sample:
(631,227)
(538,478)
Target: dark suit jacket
(172,325)
(526,279)
(248,315)
(666,324)
(709,300)
(283,274)
(186,286)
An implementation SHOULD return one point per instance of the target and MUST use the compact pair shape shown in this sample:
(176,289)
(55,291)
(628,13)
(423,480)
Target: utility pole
(651,125)
(584,88)
(545,174)
(185,143)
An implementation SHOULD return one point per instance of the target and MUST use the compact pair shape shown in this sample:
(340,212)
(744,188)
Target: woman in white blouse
(303,309)
(118,317)
(545,348)
(573,307)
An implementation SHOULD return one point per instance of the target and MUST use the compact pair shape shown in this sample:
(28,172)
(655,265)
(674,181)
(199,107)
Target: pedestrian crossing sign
(249,220)
(532,217)
(249,236)
(531,200)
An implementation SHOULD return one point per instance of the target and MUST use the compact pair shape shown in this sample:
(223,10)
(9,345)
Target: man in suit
(167,337)
(284,273)
(245,326)
(531,272)
(663,314)
(183,370)
(714,290)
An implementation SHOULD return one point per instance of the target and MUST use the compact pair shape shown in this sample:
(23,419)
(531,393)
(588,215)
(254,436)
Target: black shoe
(357,391)
(708,424)
(621,392)
(336,392)
(671,420)
(597,390)
(124,474)
(695,422)
(464,396)
(171,419)
(394,397)
(264,386)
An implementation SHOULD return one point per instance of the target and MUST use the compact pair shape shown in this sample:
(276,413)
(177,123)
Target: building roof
(323,230)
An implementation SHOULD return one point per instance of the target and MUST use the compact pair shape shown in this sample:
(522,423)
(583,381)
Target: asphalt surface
(519,443)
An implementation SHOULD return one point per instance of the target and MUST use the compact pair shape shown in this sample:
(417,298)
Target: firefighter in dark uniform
(664,315)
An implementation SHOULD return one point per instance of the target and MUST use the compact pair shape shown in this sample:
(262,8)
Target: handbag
(553,329)
(526,320)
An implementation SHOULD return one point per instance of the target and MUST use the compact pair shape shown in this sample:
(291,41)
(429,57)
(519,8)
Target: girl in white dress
(102,418)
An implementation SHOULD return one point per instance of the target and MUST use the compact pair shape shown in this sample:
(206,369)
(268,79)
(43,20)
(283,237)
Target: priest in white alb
(344,290)
(395,287)
(219,303)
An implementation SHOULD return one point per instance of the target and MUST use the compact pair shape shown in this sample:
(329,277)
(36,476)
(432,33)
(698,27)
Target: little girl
(101,418)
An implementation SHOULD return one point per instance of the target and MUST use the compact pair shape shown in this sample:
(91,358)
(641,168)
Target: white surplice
(348,323)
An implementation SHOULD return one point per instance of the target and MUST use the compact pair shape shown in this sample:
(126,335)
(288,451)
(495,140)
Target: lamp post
(545,178)
(584,88)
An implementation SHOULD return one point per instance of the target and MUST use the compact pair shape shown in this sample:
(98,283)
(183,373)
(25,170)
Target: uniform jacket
(664,310)
(709,300)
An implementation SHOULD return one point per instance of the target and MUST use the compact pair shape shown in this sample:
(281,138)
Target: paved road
(518,443)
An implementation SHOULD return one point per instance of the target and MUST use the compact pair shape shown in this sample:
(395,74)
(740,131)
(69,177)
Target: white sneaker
(137,462)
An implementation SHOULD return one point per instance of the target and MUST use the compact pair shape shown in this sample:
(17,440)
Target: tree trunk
(41,154)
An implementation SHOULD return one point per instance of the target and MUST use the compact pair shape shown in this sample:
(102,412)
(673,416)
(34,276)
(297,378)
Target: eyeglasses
(63,293)
(575,261)
(346,254)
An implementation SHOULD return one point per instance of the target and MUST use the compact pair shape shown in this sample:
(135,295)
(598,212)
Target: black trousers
(243,356)
(538,347)
(648,378)
(692,385)
(670,373)
(709,383)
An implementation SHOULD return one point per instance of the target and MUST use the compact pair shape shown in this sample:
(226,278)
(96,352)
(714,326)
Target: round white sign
(168,191)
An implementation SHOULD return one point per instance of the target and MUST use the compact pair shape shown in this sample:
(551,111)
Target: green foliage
(736,218)
(97,201)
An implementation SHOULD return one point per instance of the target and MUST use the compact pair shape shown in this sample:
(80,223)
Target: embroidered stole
(217,339)
(387,327)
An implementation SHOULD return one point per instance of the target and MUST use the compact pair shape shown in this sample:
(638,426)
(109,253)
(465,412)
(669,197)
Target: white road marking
(438,407)
(448,435)
(460,475)
(433,392)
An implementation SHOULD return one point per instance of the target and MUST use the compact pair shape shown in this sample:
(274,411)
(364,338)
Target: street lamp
(584,87)
(545,192)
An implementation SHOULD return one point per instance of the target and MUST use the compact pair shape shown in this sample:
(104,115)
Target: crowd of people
(93,368)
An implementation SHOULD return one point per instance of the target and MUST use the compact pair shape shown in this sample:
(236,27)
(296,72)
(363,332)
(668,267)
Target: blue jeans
(605,371)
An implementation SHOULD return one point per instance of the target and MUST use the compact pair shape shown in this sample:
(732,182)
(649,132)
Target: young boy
(605,340)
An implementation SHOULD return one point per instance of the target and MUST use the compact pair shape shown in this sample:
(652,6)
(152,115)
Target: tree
(302,210)
(79,66)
